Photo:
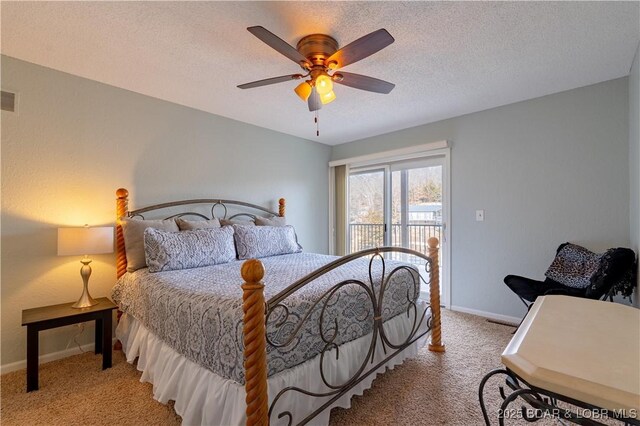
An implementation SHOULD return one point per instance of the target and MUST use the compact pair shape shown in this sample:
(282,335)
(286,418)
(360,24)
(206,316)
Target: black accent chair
(616,274)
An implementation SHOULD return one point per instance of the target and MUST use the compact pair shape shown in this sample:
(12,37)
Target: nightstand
(53,316)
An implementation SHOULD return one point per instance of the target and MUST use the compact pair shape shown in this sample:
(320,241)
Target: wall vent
(8,101)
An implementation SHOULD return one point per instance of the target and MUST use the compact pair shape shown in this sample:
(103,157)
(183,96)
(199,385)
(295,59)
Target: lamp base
(85,300)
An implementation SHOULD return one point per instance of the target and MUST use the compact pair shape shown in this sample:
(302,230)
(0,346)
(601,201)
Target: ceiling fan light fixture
(303,90)
(328,97)
(324,84)
(318,55)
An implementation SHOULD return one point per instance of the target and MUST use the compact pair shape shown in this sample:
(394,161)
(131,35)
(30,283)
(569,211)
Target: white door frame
(435,149)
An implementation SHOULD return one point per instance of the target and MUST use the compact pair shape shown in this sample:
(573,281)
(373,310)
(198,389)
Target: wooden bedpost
(122,205)
(255,342)
(435,344)
(281,207)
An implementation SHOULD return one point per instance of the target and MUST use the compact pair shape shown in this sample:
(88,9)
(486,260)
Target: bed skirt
(204,398)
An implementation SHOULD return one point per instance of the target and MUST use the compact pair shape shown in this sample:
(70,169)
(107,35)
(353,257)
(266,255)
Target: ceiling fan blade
(363,82)
(278,44)
(314,100)
(268,81)
(360,49)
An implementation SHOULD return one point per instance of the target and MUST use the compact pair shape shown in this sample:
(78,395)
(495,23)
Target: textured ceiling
(449,58)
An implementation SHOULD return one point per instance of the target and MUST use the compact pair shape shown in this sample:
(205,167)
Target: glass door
(368,209)
(417,206)
(400,204)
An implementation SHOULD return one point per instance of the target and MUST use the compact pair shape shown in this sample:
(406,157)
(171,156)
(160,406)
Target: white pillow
(263,241)
(169,251)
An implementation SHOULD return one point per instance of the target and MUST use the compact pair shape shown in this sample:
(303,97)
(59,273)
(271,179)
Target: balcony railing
(369,235)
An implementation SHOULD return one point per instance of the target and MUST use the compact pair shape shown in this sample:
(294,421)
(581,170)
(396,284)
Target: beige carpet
(433,389)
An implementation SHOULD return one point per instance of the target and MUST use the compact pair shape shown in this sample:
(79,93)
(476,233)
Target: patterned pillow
(574,266)
(168,251)
(263,241)
(273,221)
(133,232)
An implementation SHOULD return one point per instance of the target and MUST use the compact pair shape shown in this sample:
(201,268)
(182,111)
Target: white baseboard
(424,295)
(490,315)
(20,365)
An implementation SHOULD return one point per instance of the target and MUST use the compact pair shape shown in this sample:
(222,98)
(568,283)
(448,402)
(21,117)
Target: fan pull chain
(317,124)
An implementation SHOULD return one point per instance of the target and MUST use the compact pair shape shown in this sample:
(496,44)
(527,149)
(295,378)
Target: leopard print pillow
(574,266)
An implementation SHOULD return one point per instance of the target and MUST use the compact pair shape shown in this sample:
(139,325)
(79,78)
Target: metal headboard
(215,202)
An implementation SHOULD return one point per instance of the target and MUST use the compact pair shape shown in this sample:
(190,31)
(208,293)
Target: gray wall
(74,141)
(634,157)
(546,171)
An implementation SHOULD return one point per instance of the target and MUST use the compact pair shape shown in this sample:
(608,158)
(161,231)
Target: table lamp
(85,241)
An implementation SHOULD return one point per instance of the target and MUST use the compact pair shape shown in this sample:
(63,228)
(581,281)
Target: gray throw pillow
(272,221)
(133,232)
(170,251)
(190,225)
(263,241)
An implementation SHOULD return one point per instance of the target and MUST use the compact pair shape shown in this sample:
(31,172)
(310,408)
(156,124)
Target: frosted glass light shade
(85,240)
(324,84)
(328,97)
(314,101)
(303,90)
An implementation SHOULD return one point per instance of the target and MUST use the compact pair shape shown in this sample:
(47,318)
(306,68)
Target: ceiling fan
(318,55)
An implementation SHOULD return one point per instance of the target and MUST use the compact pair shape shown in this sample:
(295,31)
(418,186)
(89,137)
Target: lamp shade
(85,240)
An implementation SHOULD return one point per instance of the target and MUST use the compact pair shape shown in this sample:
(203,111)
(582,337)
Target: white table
(581,351)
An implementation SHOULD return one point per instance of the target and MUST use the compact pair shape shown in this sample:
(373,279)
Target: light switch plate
(479,215)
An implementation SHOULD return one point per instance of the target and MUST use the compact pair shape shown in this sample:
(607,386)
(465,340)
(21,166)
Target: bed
(302,334)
